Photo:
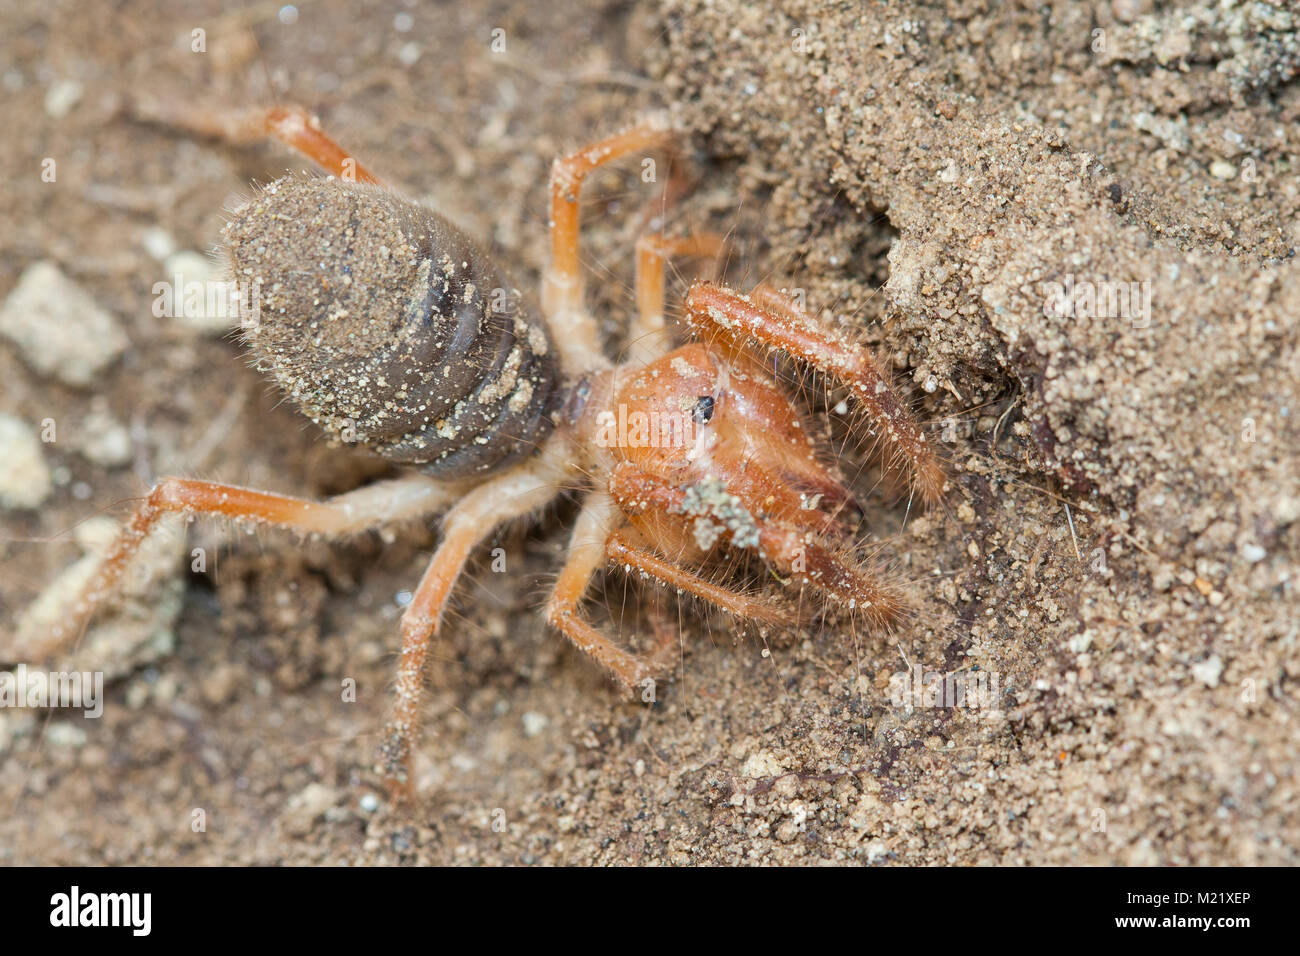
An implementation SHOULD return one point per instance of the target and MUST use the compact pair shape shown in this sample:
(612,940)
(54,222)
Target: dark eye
(703,412)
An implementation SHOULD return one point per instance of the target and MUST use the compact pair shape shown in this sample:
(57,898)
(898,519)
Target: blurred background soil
(1119,548)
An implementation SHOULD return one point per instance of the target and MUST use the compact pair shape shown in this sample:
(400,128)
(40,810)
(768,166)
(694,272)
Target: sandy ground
(1117,555)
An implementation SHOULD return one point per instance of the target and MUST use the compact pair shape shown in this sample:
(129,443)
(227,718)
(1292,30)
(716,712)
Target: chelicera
(382,322)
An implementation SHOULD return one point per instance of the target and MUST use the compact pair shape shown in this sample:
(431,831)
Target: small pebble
(762,764)
(63,734)
(1208,671)
(59,329)
(104,440)
(534,723)
(1222,169)
(62,97)
(24,477)
(158,242)
(409,54)
(220,686)
(306,807)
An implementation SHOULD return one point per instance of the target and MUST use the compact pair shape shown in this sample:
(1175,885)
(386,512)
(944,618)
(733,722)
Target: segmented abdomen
(389,327)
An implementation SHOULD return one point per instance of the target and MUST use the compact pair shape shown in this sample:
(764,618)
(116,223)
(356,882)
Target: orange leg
(646,338)
(291,125)
(597,520)
(469,522)
(841,579)
(624,548)
(356,511)
(769,318)
(562,290)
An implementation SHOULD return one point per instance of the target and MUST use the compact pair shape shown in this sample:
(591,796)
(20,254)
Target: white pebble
(158,242)
(1222,169)
(534,723)
(58,327)
(62,97)
(104,440)
(1208,670)
(24,477)
(409,54)
(307,806)
(64,735)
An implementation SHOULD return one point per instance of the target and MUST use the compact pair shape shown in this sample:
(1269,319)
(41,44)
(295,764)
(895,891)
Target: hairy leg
(625,548)
(408,497)
(291,125)
(506,496)
(562,287)
(647,337)
(774,321)
(597,520)
(865,590)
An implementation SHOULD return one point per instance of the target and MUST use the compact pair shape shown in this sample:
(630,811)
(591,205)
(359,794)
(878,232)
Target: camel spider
(382,322)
